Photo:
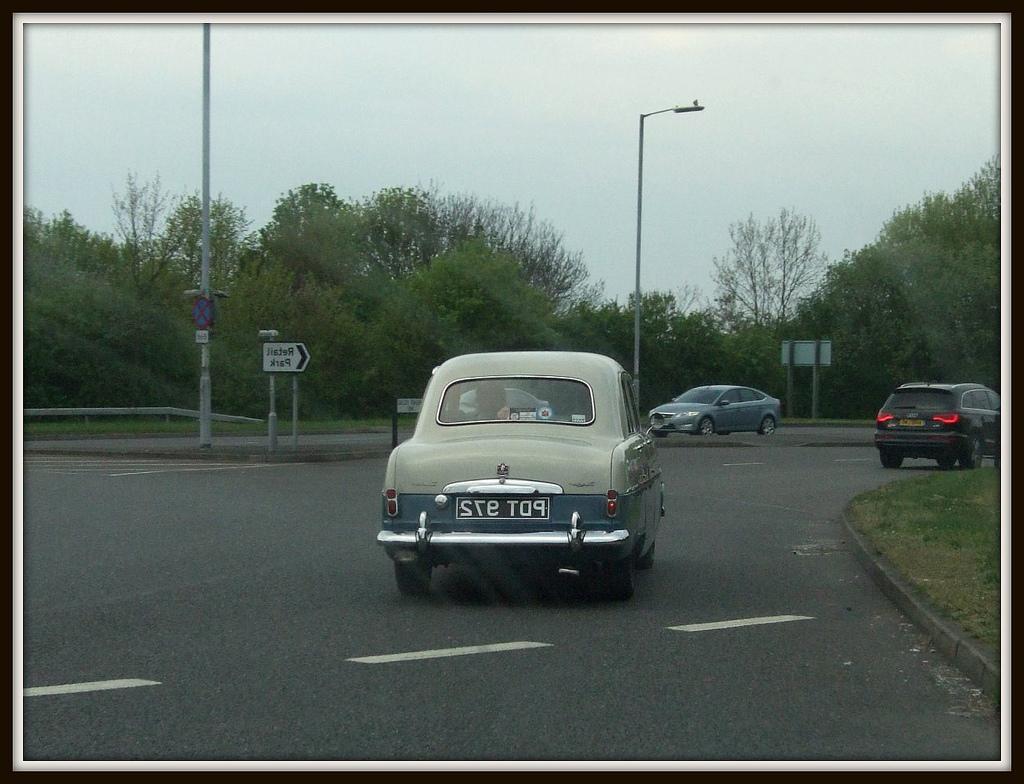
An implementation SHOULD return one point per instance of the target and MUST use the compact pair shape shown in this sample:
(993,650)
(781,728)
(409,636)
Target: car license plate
(503,509)
(911,423)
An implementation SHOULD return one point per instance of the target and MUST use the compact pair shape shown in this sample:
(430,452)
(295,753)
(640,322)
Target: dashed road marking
(705,627)
(77,688)
(742,464)
(855,460)
(136,467)
(442,652)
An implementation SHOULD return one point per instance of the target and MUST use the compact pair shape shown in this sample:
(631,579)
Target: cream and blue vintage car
(537,455)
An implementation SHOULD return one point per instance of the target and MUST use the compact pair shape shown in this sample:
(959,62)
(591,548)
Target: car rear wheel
(767,426)
(973,456)
(412,579)
(646,561)
(946,463)
(706,427)
(889,459)
(619,580)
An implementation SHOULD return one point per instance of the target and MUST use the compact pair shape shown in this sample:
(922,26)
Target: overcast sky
(844,123)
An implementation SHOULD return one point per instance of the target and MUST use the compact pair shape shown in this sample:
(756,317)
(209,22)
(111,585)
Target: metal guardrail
(164,411)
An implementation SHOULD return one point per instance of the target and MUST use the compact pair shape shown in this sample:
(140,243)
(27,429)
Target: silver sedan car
(720,409)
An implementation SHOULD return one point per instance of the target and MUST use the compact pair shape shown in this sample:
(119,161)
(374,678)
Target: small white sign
(803,353)
(285,357)
(202,336)
(409,405)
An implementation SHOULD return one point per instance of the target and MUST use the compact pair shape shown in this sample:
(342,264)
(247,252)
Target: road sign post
(805,353)
(282,357)
(403,405)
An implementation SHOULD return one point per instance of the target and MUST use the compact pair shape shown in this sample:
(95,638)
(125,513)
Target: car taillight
(950,418)
(883,417)
(611,506)
(391,496)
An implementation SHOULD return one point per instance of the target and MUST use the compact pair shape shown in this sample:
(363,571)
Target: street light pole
(639,212)
(205,405)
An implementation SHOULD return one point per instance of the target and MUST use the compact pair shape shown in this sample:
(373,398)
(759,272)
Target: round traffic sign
(202,313)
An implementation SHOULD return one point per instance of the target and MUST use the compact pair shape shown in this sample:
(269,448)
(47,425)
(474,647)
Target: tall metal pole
(636,294)
(272,417)
(295,410)
(205,437)
(639,215)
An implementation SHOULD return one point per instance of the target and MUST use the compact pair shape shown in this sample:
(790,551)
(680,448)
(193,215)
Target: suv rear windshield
(925,399)
(517,399)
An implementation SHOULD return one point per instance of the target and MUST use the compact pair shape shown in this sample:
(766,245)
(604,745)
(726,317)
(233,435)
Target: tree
(478,301)
(313,232)
(138,217)
(182,240)
(770,266)
(401,230)
(535,245)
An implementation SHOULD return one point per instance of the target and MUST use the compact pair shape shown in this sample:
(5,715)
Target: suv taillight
(883,417)
(947,418)
(391,498)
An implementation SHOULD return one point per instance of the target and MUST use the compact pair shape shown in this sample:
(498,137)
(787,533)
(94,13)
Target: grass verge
(942,533)
(133,426)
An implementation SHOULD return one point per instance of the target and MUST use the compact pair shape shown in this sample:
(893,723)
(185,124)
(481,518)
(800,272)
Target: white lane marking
(741,464)
(703,627)
(203,468)
(856,460)
(437,654)
(75,688)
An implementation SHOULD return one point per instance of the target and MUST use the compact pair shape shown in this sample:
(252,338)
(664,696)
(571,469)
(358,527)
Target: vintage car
(539,456)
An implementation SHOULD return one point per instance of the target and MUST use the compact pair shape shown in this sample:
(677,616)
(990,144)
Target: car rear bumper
(526,539)
(921,444)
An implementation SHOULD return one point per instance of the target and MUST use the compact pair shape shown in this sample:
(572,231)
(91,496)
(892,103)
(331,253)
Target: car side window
(748,396)
(632,416)
(729,397)
(975,399)
(993,400)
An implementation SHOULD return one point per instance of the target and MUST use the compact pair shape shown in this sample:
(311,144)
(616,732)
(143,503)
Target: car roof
(941,385)
(573,364)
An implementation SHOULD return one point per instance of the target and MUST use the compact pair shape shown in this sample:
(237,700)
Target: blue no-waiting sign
(203,312)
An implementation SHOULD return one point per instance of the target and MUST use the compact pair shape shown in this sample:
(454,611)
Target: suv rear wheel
(890,459)
(972,457)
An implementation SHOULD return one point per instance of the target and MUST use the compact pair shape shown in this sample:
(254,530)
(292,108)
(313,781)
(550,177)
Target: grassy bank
(114,426)
(942,533)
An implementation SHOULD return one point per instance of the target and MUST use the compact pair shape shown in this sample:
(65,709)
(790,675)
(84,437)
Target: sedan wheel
(767,426)
(706,427)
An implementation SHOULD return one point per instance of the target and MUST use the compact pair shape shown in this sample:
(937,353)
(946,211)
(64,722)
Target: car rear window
(925,399)
(534,399)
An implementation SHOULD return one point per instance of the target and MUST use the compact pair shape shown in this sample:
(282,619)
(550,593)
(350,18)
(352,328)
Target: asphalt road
(241,593)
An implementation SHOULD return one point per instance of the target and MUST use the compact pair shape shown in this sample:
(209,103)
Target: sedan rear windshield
(517,399)
(925,399)
(699,395)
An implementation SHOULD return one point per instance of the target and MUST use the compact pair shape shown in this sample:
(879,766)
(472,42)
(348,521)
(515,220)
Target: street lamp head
(695,108)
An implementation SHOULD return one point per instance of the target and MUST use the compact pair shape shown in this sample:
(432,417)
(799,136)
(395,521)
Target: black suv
(945,422)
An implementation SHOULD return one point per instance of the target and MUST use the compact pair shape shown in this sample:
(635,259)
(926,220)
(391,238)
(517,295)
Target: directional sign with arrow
(285,357)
